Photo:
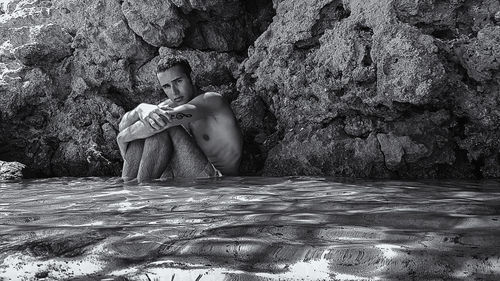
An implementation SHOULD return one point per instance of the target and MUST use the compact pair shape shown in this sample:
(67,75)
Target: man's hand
(153,116)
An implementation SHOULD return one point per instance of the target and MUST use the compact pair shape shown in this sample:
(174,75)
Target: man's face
(176,84)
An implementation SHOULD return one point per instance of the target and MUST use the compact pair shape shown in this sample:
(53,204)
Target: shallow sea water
(296,228)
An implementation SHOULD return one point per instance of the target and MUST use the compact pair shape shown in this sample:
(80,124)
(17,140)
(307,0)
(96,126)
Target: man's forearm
(128,119)
(136,114)
(181,115)
(138,130)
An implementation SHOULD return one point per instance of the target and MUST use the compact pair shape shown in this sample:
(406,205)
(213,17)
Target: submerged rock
(11,170)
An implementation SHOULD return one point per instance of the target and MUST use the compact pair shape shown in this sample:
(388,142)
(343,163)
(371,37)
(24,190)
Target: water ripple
(298,228)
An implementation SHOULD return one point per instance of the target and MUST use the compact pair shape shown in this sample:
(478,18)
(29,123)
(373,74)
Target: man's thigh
(132,159)
(155,156)
(188,160)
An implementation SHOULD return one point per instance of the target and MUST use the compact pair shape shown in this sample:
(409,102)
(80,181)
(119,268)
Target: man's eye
(166,86)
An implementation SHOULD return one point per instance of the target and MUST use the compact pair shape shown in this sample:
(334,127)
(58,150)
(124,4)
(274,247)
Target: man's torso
(219,137)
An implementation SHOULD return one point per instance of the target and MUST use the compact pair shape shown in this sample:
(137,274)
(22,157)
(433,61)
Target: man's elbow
(119,137)
(121,125)
(123,122)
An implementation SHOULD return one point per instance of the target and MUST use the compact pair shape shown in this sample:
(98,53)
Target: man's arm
(140,113)
(198,108)
(138,130)
(128,119)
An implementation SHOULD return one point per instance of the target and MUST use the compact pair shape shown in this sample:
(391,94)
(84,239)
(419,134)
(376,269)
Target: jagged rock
(204,25)
(364,88)
(375,89)
(480,55)
(224,36)
(224,25)
(37,105)
(358,126)
(258,126)
(11,170)
(87,136)
(158,22)
(50,44)
(21,88)
(218,7)
(408,70)
(70,69)
(394,148)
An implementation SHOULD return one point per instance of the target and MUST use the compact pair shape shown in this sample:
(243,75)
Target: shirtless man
(193,135)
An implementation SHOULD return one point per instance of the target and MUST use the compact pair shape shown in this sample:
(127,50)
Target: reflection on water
(249,229)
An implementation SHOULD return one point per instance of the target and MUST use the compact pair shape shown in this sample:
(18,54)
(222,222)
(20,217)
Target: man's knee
(158,139)
(178,133)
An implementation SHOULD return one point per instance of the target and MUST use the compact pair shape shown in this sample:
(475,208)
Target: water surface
(249,229)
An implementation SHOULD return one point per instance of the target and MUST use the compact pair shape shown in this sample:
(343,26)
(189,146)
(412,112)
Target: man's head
(174,75)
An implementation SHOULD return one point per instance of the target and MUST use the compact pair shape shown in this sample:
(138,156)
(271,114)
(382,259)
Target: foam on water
(249,229)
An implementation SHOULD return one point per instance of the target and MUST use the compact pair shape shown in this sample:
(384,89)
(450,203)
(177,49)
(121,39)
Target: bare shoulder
(211,100)
(213,97)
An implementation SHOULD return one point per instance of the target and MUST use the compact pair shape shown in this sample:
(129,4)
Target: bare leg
(155,156)
(148,159)
(132,160)
(188,161)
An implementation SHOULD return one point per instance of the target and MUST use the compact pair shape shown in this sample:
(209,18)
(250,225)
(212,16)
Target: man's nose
(175,90)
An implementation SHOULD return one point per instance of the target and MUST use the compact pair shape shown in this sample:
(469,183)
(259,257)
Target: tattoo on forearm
(180,115)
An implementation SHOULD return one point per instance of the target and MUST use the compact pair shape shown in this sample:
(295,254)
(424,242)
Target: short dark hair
(171,61)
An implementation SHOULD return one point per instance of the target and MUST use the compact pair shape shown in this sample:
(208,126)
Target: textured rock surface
(377,88)
(157,22)
(11,170)
(69,69)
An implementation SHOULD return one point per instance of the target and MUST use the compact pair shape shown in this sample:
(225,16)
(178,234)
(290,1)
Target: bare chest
(205,131)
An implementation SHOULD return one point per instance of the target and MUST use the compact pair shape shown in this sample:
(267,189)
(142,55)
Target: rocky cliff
(363,88)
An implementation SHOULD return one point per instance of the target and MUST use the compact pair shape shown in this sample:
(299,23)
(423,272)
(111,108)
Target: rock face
(11,170)
(363,88)
(70,69)
(375,89)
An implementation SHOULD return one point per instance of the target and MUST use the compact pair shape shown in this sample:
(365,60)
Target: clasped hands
(154,116)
